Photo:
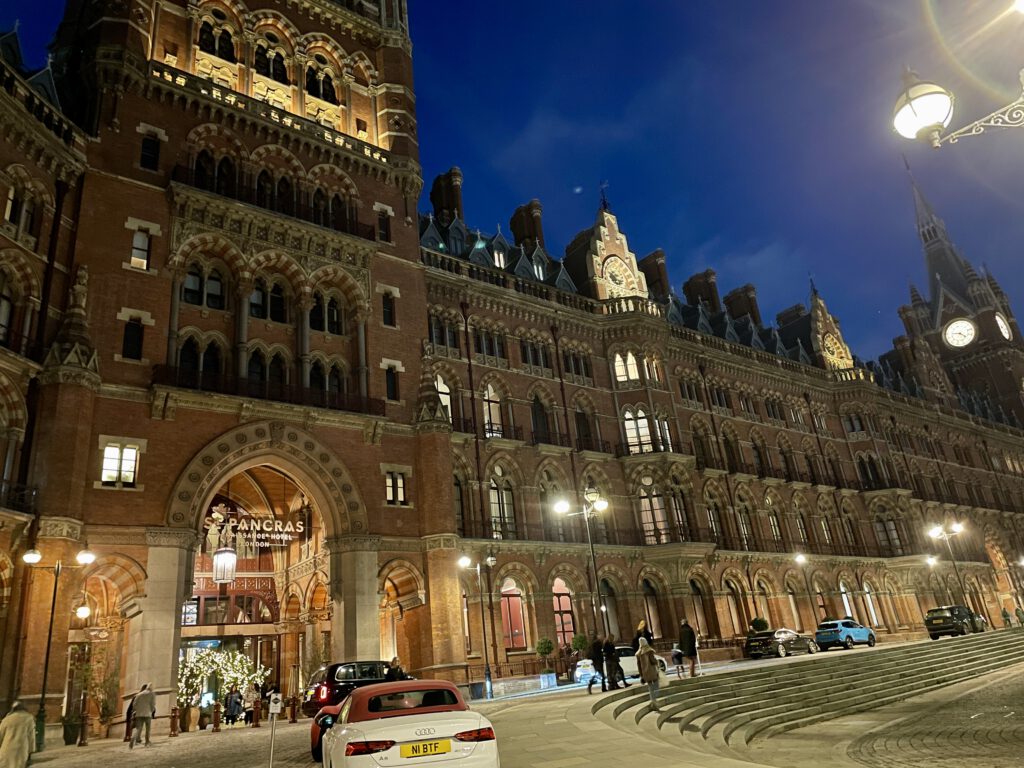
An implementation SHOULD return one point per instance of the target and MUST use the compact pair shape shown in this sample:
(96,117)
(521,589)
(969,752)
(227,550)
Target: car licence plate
(424,748)
(936,621)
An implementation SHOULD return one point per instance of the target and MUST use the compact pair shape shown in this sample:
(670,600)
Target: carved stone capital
(441,541)
(60,528)
(340,544)
(180,538)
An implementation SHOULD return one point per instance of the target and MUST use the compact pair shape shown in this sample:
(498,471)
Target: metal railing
(266,390)
(20,498)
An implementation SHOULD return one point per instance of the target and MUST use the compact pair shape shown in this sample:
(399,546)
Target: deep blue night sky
(747,136)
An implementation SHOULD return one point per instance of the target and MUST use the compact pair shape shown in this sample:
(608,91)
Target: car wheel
(934,637)
(812,647)
(963,629)
(780,651)
(318,751)
(848,643)
(871,641)
(824,647)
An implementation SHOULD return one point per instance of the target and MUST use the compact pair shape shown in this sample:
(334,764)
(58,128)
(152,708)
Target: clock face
(1004,327)
(831,345)
(959,333)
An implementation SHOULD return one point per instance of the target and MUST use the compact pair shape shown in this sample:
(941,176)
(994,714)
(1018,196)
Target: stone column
(192,32)
(364,384)
(242,292)
(355,630)
(300,84)
(172,322)
(374,137)
(248,62)
(305,305)
(13,438)
(444,601)
(347,78)
(154,631)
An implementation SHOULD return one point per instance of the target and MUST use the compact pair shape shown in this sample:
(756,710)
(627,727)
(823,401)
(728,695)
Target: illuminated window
(120,465)
(394,483)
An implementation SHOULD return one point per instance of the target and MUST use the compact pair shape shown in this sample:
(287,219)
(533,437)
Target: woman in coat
(650,672)
(17,737)
(233,707)
(641,631)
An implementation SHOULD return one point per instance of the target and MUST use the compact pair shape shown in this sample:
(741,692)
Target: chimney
(743,301)
(790,315)
(703,286)
(526,225)
(653,267)
(446,196)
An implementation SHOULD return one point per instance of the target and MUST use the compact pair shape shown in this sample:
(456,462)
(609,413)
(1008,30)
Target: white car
(387,724)
(627,659)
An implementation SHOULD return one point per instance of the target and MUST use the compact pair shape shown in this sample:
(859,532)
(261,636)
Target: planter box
(549,680)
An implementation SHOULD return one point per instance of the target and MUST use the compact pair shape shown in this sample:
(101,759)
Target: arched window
(285,199)
(316,313)
(539,417)
(565,623)
(651,612)
(459,506)
(638,431)
(870,602)
(278,305)
(320,208)
(207,41)
(214,290)
(258,300)
(801,528)
(188,361)
(277,375)
(888,534)
(226,46)
(700,619)
(737,608)
(538,269)
(265,190)
(317,377)
(502,503)
(334,317)
(339,213)
(226,177)
(798,624)
(261,61)
(211,367)
(513,618)
(745,528)
(336,381)
(732,452)
(763,606)
(776,529)
(610,602)
(278,70)
(444,394)
(312,82)
(327,92)
(653,520)
(632,372)
(205,171)
(844,592)
(492,413)
(257,368)
(714,520)
(192,287)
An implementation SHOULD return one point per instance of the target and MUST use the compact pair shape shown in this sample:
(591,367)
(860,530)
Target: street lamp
(923,111)
(32,558)
(467,562)
(940,532)
(593,503)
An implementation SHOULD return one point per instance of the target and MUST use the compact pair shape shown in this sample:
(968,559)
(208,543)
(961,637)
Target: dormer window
(499,259)
(538,269)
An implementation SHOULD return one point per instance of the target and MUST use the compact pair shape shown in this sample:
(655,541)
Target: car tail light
(477,734)
(324,692)
(367,747)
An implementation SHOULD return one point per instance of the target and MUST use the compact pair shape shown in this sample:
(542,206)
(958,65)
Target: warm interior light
(801,558)
(936,532)
(561,506)
(957,527)
(922,110)
(224,561)
(465,561)
(32,557)
(601,505)
(85,557)
(82,611)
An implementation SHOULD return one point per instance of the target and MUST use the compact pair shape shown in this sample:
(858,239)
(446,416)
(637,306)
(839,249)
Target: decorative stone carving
(171,537)
(60,528)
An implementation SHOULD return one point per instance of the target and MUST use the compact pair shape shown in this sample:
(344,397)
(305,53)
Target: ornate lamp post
(940,532)
(593,503)
(801,560)
(467,562)
(32,558)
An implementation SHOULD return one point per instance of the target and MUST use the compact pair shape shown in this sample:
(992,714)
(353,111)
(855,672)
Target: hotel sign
(226,527)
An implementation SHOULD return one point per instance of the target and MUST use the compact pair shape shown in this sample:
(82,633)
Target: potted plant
(548,678)
(580,644)
(72,723)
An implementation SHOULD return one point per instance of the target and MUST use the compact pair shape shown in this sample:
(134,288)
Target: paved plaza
(977,724)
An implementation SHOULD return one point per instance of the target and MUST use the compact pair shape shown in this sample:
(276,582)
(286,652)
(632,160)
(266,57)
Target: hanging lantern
(224,561)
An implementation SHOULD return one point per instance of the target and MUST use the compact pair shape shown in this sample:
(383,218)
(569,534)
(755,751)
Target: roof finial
(604,198)
(814,288)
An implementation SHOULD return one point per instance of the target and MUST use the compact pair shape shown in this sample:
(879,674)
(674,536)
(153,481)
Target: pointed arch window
(565,622)
(801,528)
(207,40)
(638,431)
(265,190)
(226,177)
(444,394)
(192,287)
(261,61)
(538,269)
(714,520)
(312,82)
(317,377)
(541,421)
(334,317)
(320,207)
(776,529)
(214,290)
(502,504)
(188,360)
(513,618)
(278,70)
(285,197)
(258,301)
(745,528)
(257,367)
(336,381)
(278,305)
(277,376)
(205,172)
(651,612)
(226,46)
(492,413)
(211,366)
(653,520)
(316,313)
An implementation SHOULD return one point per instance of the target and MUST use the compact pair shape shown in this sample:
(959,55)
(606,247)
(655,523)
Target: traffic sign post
(274,710)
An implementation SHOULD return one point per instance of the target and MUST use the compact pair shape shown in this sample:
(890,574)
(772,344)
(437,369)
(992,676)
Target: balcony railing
(592,444)
(244,193)
(544,437)
(20,498)
(266,390)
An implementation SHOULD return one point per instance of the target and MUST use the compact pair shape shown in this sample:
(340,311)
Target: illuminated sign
(226,527)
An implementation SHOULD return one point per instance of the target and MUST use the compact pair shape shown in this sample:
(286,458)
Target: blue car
(843,632)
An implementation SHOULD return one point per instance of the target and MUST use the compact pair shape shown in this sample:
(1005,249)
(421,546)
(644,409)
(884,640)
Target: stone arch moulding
(313,465)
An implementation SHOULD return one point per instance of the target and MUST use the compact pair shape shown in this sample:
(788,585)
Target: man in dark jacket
(612,667)
(688,645)
(597,659)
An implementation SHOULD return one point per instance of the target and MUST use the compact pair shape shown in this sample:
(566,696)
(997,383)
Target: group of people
(239,704)
(608,671)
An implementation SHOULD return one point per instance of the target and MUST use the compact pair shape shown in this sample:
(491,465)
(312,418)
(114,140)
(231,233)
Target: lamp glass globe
(83,611)
(561,506)
(922,109)
(465,561)
(801,558)
(601,505)
(32,557)
(957,527)
(935,532)
(85,557)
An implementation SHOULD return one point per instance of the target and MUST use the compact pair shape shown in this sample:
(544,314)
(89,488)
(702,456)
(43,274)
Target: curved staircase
(723,713)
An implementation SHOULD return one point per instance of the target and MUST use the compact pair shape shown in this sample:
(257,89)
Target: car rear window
(762,635)
(625,652)
(828,625)
(410,700)
(318,677)
(935,612)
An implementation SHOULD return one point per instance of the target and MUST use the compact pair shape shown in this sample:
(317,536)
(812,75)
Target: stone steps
(728,711)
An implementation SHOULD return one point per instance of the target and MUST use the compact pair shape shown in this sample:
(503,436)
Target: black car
(779,642)
(952,620)
(332,683)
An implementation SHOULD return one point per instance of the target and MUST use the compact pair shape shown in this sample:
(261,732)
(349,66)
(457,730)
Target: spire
(915,295)
(930,227)
(604,197)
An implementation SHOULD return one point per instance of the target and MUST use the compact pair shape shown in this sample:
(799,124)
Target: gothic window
(226,46)
(207,40)
(565,624)
(801,529)
(638,431)
(776,529)
(285,199)
(277,374)
(540,419)
(316,313)
(327,92)
(499,259)
(265,190)
(188,357)
(538,269)
(312,82)
(257,368)
(459,505)
(826,532)
(334,317)
(258,301)
(653,520)
(226,177)
(336,381)
(261,61)
(214,291)
(664,434)
(732,452)
(502,506)
(444,394)
(492,413)
(192,287)
(688,391)
(205,171)
(513,619)
(714,520)
(278,305)
(319,208)
(745,528)
(211,363)
(651,612)
(317,377)
(888,535)
(278,71)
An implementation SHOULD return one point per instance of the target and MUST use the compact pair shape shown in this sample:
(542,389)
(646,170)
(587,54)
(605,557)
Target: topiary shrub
(580,643)
(759,624)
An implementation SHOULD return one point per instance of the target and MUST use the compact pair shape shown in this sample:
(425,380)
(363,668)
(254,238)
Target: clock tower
(826,338)
(966,324)
(600,262)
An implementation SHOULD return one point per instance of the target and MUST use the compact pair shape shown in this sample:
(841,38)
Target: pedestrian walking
(144,710)
(395,671)
(249,700)
(612,667)
(129,717)
(1007,620)
(232,707)
(650,670)
(1020,616)
(597,660)
(677,660)
(688,645)
(17,737)
(644,632)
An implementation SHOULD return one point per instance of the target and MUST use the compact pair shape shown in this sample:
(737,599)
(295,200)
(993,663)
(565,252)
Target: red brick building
(225,325)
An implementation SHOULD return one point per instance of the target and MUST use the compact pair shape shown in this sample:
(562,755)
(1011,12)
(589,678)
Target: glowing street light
(939,532)
(466,563)
(593,503)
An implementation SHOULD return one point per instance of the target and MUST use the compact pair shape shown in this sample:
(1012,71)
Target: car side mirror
(326,722)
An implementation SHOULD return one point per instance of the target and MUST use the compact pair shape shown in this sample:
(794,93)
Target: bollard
(216,717)
(292,718)
(174,721)
(83,732)
(257,710)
